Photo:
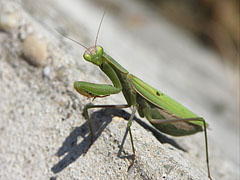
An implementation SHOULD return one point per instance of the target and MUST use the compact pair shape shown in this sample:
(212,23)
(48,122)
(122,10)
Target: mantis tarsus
(161,111)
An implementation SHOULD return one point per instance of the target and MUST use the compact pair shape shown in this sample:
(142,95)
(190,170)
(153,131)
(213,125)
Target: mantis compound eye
(99,50)
(87,56)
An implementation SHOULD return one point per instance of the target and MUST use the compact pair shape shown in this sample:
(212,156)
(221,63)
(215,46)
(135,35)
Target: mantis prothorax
(164,113)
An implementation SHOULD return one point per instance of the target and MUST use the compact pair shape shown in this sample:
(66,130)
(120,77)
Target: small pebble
(35,50)
(9,17)
(46,71)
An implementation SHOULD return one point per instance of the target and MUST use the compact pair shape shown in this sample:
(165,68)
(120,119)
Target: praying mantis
(164,113)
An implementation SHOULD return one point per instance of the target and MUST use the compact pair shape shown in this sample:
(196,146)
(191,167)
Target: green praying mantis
(164,113)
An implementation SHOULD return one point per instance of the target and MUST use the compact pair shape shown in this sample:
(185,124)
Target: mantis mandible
(164,113)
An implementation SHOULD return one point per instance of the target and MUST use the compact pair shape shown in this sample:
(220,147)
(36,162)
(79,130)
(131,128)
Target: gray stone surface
(42,131)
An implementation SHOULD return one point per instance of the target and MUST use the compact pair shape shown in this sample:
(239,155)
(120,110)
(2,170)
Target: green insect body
(150,103)
(161,111)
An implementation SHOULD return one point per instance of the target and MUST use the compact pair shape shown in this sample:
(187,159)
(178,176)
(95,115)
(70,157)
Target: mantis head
(94,55)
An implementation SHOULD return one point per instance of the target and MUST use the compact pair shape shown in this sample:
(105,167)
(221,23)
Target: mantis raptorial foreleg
(95,90)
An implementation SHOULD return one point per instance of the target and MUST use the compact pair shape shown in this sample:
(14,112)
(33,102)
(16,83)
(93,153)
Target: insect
(164,113)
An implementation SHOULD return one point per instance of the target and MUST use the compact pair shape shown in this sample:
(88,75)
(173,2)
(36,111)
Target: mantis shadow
(72,149)
(100,119)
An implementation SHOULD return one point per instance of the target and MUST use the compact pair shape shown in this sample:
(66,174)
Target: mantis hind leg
(186,120)
(131,137)
(91,106)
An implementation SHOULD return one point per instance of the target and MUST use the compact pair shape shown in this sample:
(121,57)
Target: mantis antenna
(99,27)
(72,40)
